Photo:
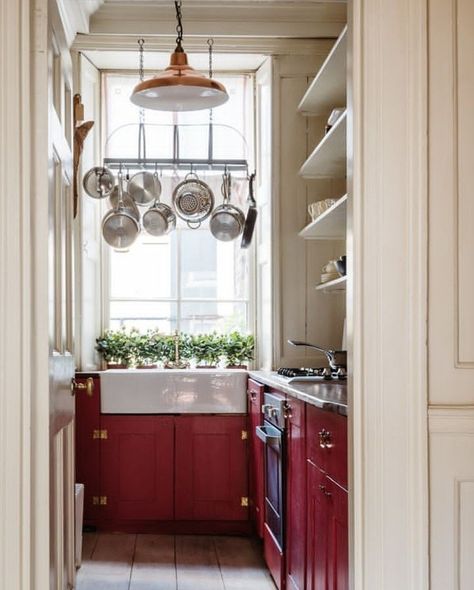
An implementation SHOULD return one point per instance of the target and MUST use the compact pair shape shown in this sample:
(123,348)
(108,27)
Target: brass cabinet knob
(325,439)
(88,386)
(325,491)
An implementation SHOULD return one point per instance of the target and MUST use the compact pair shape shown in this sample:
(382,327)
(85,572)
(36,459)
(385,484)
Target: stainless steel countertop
(327,395)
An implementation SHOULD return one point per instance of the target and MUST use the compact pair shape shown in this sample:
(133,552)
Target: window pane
(146,271)
(143,315)
(197,317)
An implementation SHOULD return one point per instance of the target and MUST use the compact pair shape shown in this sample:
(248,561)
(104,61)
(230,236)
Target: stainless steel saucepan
(120,227)
(159,220)
(227,221)
(98,182)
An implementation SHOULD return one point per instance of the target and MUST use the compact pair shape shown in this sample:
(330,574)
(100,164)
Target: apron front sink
(173,391)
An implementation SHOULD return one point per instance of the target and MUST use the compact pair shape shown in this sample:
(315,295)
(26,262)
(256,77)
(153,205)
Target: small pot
(237,367)
(159,220)
(98,182)
(147,366)
(227,221)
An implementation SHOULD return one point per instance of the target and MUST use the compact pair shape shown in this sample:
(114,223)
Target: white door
(61,315)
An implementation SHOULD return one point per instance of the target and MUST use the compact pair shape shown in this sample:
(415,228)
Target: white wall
(451,292)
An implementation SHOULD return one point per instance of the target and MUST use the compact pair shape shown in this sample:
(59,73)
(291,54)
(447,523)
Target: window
(187,280)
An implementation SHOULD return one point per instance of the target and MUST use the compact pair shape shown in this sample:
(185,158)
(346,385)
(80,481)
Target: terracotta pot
(116,366)
(206,367)
(147,366)
(236,367)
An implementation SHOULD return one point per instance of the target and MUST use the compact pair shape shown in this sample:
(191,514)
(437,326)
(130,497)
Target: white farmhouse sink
(173,391)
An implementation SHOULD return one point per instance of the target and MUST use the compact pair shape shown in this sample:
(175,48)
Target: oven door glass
(274,501)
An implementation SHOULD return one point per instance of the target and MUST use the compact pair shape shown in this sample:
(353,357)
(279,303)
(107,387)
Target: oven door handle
(269,435)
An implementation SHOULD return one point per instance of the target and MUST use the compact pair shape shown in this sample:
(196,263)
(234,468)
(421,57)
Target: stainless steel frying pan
(98,182)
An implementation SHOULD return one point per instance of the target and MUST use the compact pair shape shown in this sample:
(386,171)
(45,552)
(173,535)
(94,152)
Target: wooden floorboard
(154,566)
(241,563)
(110,565)
(165,562)
(196,564)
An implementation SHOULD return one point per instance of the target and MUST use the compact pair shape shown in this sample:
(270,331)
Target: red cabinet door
(256,465)
(338,550)
(211,468)
(317,554)
(327,534)
(327,442)
(87,424)
(137,468)
(296,496)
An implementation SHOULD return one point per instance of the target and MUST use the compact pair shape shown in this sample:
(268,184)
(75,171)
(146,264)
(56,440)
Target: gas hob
(291,375)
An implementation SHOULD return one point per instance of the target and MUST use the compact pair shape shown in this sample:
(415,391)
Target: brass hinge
(100,434)
(99,500)
(244,435)
(244,502)
(103,500)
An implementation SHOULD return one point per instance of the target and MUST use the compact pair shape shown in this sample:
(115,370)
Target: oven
(272,434)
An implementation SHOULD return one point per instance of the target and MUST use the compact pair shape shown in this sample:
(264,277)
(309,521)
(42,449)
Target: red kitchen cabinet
(317,554)
(137,468)
(87,424)
(327,442)
(327,557)
(211,468)
(256,461)
(296,496)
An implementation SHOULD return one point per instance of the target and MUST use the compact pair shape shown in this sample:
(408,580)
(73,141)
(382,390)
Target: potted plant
(148,349)
(239,348)
(207,350)
(117,347)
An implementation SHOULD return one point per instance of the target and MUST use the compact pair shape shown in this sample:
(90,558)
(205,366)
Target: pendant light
(179,87)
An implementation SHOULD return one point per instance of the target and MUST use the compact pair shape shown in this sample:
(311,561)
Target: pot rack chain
(141,124)
(210,145)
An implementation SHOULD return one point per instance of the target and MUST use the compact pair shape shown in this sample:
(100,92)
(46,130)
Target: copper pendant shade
(179,88)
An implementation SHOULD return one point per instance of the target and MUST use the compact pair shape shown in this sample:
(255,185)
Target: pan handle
(251,198)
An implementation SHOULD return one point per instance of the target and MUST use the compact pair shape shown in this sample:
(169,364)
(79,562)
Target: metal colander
(193,200)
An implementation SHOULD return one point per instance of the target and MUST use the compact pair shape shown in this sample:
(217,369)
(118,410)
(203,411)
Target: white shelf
(335,285)
(330,225)
(328,89)
(328,159)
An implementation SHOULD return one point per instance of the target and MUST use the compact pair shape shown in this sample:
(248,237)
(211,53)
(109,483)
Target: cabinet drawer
(255,391)
(326,442)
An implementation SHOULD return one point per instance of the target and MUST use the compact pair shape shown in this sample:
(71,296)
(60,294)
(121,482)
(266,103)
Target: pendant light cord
(179,26)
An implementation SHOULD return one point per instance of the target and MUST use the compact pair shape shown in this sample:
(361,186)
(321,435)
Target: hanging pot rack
(210,163)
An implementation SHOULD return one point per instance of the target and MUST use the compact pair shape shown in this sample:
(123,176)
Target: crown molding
(263,46)
(75,15)
(238,18)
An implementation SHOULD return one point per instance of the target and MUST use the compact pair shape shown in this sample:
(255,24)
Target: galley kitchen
(236,306)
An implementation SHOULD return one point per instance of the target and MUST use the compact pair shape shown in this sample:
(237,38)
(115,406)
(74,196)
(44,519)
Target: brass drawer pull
(325,439)
(88,386)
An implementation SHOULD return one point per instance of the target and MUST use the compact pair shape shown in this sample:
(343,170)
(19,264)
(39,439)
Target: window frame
(106,296)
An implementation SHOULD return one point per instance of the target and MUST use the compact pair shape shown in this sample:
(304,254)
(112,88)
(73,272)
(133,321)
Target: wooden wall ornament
(81,131)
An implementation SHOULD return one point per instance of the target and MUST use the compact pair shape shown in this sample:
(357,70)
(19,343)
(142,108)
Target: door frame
(387,294)
(388,180)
